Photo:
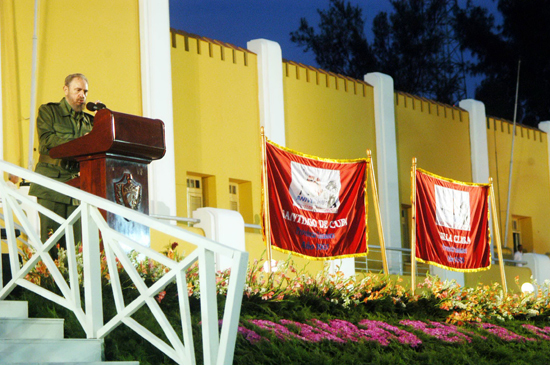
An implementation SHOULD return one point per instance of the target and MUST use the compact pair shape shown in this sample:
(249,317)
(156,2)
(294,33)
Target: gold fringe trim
(452,268)
(316,157)
(319,258)
(449,179)
(489,241)
(367,160)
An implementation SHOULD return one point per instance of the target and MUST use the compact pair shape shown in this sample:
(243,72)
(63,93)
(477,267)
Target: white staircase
(29,341)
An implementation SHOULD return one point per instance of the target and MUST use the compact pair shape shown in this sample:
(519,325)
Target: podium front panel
(127,185)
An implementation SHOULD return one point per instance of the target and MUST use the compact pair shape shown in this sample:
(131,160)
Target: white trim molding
(156,81)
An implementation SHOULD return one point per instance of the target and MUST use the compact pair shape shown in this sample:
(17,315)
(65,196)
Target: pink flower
(250,335)
(382,332)
(441,331)
(503,333)
(541,332)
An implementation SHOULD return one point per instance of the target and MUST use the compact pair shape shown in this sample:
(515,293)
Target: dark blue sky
(239,21)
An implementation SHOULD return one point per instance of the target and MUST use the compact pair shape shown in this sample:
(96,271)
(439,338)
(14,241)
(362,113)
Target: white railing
(218,348)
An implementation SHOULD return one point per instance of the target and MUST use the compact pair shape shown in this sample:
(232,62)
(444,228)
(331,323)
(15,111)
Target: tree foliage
(523,35)
(341,45)
(412,45)
(415,45)
(421,42)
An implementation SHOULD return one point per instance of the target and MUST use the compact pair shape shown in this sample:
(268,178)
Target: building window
(516,233)
(194,195)
(405,226)
(234,196)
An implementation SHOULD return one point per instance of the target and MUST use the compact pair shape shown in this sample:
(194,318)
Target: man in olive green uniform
(58,123)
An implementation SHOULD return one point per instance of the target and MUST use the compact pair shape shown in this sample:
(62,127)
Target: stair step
(48,351)
(14,309)
(31,328)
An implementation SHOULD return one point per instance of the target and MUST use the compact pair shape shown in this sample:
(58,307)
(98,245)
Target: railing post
(209,306)
(92,272)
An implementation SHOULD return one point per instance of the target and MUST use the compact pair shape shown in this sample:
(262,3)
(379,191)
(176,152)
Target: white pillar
(156,85)
(386,160)
(270,88)
(479,152)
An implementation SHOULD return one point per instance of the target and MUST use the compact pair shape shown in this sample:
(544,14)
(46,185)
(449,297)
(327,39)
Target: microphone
(93,107)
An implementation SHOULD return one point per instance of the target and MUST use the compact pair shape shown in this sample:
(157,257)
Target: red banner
(317,207)
(452,223)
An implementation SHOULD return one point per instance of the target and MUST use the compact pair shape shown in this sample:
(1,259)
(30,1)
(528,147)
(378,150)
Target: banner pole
(378,218)
(267,226)
(497,237)
(413,225)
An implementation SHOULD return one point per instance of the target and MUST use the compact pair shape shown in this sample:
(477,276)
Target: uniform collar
(65,107)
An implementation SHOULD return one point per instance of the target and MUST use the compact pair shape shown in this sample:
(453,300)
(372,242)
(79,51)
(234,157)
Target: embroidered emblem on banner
(452,208)
(128,192)
(315,189)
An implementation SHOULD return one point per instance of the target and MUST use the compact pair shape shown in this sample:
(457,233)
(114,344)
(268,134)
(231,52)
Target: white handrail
(217,349)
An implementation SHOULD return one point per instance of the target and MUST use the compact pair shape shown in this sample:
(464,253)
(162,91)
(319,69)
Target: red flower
(161,296)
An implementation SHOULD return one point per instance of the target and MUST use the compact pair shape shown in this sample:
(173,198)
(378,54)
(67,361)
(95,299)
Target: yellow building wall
(216,112)
(330,116)
(530,195)
(104,45)
(216,127)
(438,135)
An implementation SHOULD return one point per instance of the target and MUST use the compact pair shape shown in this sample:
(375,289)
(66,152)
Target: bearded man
(58,123)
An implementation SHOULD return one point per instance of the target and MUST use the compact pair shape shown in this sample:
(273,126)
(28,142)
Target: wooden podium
(113,161)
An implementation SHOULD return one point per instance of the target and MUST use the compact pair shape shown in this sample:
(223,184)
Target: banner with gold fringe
(317,207)
(452,223)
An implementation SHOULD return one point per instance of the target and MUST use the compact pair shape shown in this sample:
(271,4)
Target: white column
(479,152)
(386,160)
(156,85)
(270,88)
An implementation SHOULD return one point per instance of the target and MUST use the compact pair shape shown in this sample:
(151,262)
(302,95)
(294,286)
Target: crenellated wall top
(425,105)
(318,76)
(505,126)
(212,47)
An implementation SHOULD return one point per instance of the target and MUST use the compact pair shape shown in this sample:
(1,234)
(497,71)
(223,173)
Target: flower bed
(290,315)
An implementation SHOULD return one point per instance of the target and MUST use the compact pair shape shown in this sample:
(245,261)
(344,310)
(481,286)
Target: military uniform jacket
(58,123)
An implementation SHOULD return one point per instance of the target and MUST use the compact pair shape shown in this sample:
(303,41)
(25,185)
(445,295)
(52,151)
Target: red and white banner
(452,223)
(317,207)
